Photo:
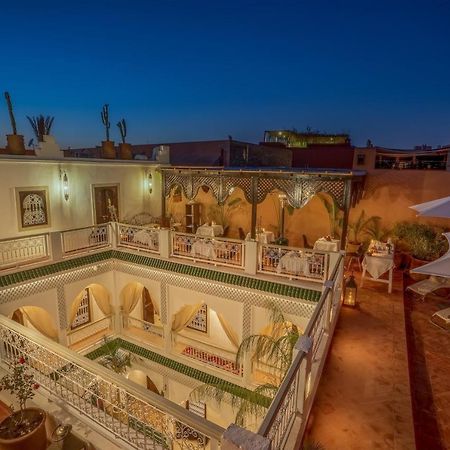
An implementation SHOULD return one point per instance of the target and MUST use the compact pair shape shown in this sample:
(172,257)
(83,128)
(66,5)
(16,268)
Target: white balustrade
(294,399)
(293,263)
(129,412)
(151,328)
(137,237)
(21,251)
(218,251)
(85,239)
(90,329)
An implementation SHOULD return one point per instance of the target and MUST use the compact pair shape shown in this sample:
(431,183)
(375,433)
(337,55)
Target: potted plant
(423,243)
(23,429)
(125,151)
(361,226)
(15,144)
(41,126)
(108,149)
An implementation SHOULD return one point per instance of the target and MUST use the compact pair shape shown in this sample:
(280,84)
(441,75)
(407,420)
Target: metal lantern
(350,291)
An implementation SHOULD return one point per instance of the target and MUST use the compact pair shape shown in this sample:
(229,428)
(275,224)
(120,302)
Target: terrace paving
(364,400)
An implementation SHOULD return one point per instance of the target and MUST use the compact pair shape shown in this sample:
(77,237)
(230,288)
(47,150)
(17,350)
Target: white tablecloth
(265,237)
(377,265)
(145,237)
(293,262)
(209,230)
(327,246)
(205,249)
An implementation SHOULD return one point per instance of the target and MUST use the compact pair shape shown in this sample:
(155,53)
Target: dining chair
(241,234)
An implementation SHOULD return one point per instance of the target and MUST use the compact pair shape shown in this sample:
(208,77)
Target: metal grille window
(84,311)
(198,408)
(200,321)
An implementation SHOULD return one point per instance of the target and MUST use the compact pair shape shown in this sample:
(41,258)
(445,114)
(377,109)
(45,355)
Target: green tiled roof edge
(199,272)
(221,276)
(179,367)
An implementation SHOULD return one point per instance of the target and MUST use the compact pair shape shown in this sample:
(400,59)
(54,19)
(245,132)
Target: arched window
(200,321)
(83,315)
(33,210)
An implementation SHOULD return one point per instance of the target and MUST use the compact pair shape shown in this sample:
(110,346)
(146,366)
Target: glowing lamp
(149,182)
(65,186)
(350,292)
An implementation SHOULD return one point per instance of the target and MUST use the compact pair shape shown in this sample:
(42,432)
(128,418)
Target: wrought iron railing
(218,251)
(142,419)
(103,325)
(293,263)
(136,237)
(85,239)
(295,396)
(21,251)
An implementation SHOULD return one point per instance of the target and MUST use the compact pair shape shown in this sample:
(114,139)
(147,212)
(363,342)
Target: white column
(251,257)
(165,237)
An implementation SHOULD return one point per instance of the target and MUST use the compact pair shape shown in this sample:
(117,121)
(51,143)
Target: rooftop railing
(22,251)
(85,239)
(138,238)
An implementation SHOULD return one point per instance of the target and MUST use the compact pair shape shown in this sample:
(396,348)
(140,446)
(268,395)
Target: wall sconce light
(65,185)
(350,292)
(150,182)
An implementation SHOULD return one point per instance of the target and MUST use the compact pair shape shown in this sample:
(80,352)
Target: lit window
(200,321)
(84,311)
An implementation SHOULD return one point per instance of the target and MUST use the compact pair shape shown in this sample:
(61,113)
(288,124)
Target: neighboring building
(293,138)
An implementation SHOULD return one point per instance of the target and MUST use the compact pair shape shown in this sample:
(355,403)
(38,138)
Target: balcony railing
(100,327)
(219,251)
(136,237)
(142,419)
(295,396)
(133,324)
(85,239)
(293,263)
(21,251)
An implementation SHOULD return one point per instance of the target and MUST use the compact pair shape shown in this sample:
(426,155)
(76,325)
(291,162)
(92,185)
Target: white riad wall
(134,196)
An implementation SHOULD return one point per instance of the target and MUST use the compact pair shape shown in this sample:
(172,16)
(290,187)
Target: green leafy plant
(422,241)
(105,119)
(122,125)
(335,214)
(11,113)
(115,359)
(222,213)
(41,126)
(362,225)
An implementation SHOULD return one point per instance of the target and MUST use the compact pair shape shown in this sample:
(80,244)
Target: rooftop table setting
(204,248)
(327,244)
(212,230)
(378,260)
(262,236)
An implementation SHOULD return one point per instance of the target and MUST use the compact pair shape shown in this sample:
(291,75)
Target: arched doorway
(37,319)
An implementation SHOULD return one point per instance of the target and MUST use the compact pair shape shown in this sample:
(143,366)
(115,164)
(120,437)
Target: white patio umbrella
(440,267)
(435,208)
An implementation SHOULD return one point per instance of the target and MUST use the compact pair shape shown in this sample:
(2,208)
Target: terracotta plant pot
(34,440)
(15,144)
(125,151)
(108,150)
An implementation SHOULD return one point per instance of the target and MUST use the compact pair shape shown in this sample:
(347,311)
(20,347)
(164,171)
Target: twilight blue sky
(192,70)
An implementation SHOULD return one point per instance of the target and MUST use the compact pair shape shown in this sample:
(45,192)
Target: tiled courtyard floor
(364,401)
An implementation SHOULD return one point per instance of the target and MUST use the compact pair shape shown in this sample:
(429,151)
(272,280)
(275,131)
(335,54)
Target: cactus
(105,119)
(11,113)
(41,126)
(123,129)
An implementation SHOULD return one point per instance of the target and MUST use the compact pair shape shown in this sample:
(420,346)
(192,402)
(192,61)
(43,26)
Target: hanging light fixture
(65,185)
(149,182)
(350,291)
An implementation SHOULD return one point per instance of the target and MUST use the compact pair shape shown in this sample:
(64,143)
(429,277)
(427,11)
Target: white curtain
(130,296)
(184,317)
(101,297)
(231,334)
(41,320)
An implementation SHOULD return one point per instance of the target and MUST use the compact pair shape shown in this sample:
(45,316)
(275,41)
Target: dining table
(327,245)
(375,265)
(209,230)
(263,237)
